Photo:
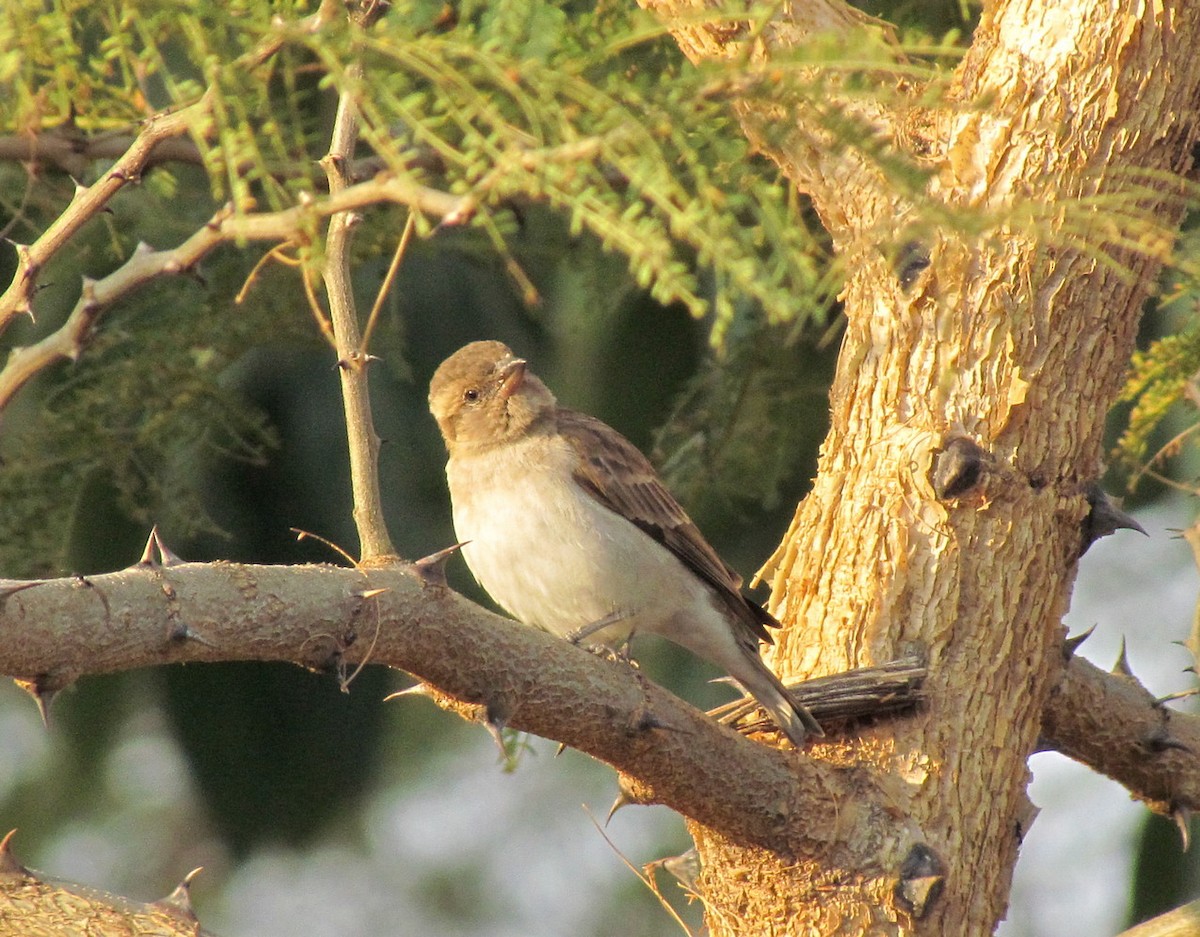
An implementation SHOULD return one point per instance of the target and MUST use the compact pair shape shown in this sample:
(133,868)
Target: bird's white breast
(553,556)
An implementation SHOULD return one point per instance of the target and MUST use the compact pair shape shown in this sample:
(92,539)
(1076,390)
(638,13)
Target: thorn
(432,568)
(1104,517)
(179,902)
(1071,644)
(157,553)
(1182,694)
(369,593)
(623,800)
(495,729)
(1183,822)
(43,690)
(562,747)
(142,249)
(685,868)
(1159,741)
(147,558)
(417,689)
(1121,667)
(8,859)
(625,797)
(179,632)
(922,877)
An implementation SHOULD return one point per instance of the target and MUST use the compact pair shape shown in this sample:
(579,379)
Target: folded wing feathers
(617,475)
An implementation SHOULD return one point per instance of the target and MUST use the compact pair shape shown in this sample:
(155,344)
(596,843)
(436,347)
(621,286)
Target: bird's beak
(512,376)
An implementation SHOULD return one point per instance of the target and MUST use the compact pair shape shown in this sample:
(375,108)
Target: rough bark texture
(1016,340)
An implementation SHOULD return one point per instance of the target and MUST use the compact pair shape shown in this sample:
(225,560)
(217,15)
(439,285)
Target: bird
(567,526)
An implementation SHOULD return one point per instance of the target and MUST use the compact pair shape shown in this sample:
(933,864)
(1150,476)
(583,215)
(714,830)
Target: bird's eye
(470,395)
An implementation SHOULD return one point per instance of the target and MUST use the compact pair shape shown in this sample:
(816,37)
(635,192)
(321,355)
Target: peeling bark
(1061,129)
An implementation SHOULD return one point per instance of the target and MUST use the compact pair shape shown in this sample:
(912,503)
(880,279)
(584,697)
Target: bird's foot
(619,654)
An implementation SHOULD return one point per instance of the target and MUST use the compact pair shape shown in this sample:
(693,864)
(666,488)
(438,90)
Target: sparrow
(568,527)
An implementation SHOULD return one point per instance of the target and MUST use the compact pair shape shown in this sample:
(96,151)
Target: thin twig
(386,286)
(314,304)
(363,441)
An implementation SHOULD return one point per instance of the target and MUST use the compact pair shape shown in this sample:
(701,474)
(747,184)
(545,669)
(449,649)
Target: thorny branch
(88,201)
(491,668)
(353,360)
(224,227)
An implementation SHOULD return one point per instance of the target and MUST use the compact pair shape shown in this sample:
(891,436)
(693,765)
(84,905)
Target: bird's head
(483,396)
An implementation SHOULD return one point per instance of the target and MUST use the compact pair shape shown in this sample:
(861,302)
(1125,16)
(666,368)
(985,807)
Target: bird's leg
(620,652)
(577,636)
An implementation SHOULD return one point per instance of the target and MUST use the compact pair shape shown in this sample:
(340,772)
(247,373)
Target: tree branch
(31,904)
(1112,724)
(69,340)
(72,152)
(353,360)
(325,618)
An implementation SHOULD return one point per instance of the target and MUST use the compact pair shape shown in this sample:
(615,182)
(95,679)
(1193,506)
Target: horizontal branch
(328,618)
(1112,724)
(72,152)
(146,264)
(69,151)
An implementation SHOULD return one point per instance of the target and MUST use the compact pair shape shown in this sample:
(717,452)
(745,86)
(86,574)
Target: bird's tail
(796,722)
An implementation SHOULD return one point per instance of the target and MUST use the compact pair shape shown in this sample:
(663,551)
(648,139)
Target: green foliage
(591,110)
(745,424)
(117,434)
(520,106)
(1161,388)
(1160,378)
(136,430)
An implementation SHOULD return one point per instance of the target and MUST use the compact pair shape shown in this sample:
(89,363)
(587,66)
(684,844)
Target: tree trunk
(1015,341)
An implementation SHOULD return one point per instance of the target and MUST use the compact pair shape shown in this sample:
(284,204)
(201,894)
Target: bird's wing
(614,472)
